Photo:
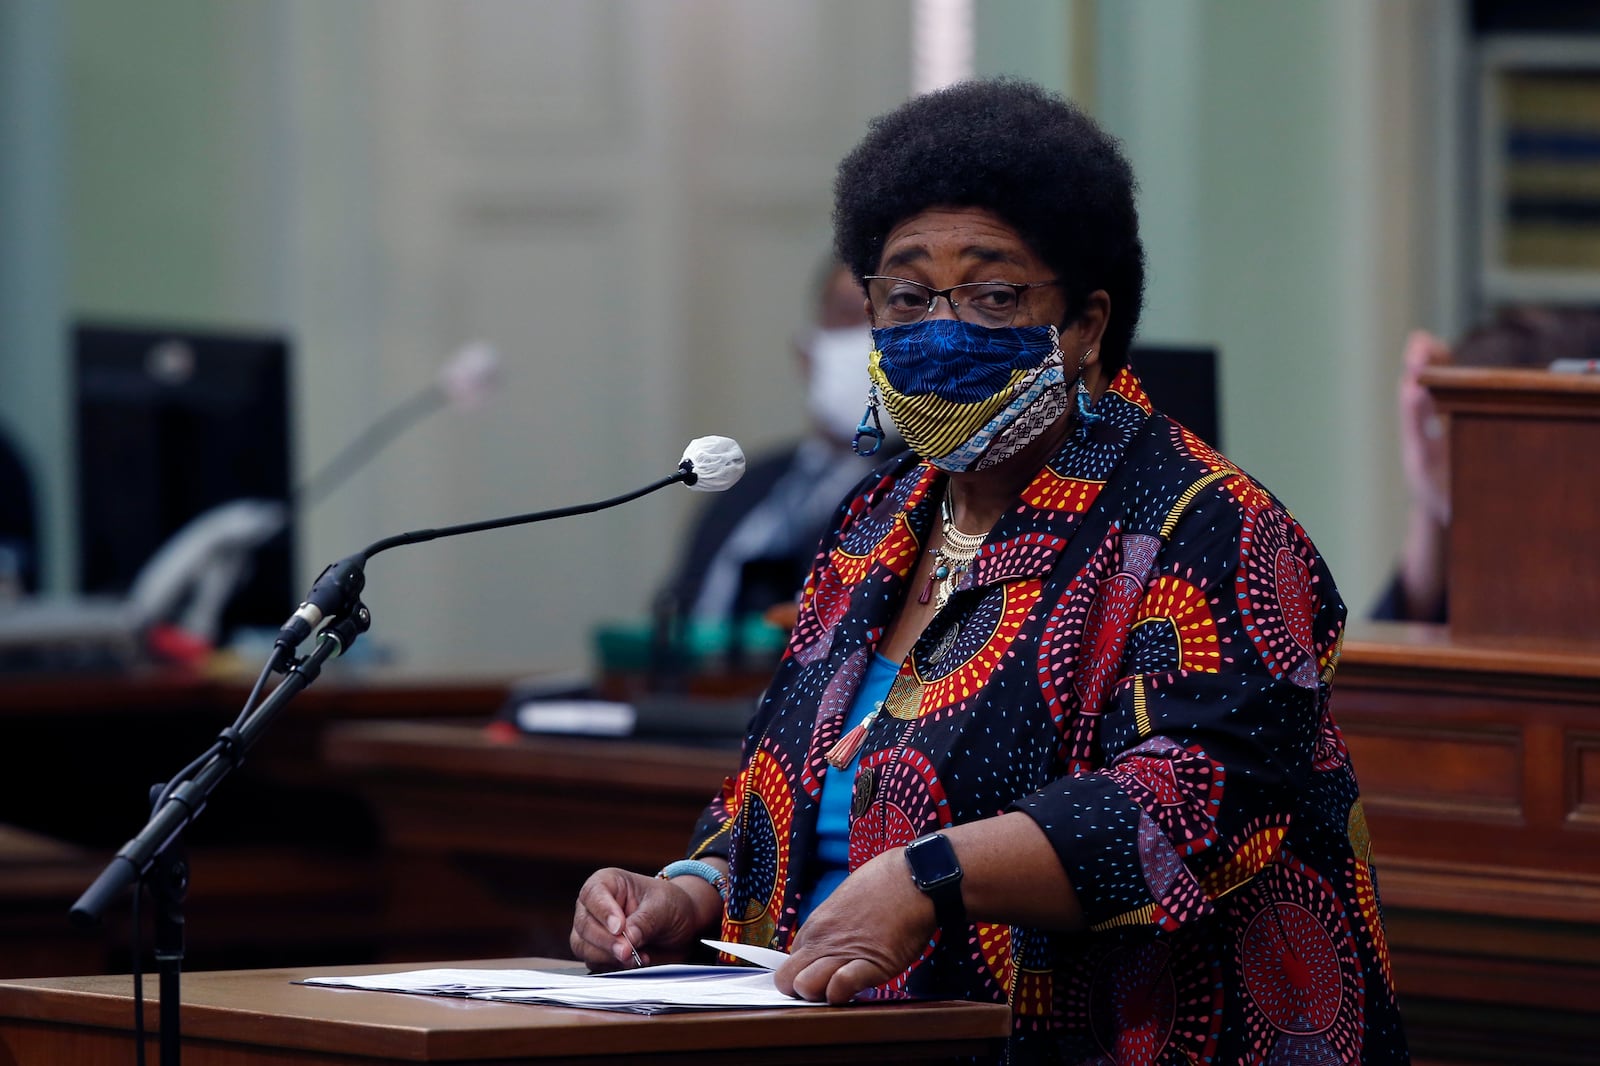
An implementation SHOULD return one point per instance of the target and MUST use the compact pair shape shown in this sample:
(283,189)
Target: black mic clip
(335,594)
(345,628)
(686,472)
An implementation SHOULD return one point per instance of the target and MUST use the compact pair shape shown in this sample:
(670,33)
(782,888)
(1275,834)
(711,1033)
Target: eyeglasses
(900,302)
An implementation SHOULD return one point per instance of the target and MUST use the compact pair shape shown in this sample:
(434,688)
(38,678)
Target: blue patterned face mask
(967,397)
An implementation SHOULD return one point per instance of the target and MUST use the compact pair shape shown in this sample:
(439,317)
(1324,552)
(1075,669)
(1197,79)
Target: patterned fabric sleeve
(711,830)
(1196,750)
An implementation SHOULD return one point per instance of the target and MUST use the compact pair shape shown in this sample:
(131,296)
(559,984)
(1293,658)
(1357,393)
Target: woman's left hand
(866,932)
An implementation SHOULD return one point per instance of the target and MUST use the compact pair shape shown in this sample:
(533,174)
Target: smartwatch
(935,871)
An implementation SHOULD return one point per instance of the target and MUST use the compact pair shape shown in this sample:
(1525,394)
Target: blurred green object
(697,646)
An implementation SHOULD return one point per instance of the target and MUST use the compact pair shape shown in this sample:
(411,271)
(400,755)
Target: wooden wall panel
(1480,774)
(1440,770)
(1583,775)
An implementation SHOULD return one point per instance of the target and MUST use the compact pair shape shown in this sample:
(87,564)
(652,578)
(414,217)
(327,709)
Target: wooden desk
(339,693)
(39,879)
(1480,776)
(488,840)
(102,741)
(282,859)
(256,1018)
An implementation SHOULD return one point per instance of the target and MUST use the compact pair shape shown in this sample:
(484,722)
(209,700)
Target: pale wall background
(627,197)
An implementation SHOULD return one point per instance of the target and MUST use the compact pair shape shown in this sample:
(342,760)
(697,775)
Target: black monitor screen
(171,422)
(1182,383)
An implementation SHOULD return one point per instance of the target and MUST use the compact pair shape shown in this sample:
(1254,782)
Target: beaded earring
(1086,414)
(873,432)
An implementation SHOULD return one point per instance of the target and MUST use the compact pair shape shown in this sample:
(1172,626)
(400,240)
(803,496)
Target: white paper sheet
(766,958)
(650,990)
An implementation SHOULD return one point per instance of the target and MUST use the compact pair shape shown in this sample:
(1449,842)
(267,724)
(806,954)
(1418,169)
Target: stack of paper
(650,990)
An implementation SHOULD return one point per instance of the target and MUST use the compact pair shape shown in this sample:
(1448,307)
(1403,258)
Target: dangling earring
(1086,414)
(873,432)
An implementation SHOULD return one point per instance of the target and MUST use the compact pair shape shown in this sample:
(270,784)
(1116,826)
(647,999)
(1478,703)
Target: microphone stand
(156,856)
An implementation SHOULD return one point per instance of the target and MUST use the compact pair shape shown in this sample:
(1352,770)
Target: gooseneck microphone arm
(685,474)
(340,584)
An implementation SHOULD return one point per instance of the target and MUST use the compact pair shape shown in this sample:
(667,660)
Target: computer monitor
(172,421)
(19,526)
(1182,383)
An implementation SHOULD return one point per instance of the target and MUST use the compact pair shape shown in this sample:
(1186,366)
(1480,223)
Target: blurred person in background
(1519,337)
(753,544)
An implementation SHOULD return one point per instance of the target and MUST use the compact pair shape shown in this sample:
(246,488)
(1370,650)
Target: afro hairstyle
(1036,161)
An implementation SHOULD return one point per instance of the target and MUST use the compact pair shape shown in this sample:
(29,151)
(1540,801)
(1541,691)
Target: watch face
(933,861)
(935,871)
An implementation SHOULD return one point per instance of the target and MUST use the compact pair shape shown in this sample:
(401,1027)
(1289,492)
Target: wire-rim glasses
(902,302)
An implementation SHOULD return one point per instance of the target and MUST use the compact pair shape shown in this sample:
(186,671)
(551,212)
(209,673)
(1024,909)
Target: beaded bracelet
(703,870)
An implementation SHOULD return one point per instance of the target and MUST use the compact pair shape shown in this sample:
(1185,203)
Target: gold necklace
(951,559)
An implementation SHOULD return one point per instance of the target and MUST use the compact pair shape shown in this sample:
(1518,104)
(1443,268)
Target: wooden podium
(1525,495)
(258,1017)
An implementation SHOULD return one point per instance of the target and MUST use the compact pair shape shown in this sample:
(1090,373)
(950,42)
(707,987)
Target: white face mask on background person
(836,390)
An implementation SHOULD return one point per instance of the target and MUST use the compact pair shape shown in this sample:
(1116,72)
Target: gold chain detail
(954,556)
(963,546)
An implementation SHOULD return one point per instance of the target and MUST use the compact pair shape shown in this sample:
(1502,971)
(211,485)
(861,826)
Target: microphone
(709,464)
(715,463)
(464,382)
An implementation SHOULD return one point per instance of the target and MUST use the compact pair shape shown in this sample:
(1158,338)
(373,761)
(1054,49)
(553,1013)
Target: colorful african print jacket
(1140,660)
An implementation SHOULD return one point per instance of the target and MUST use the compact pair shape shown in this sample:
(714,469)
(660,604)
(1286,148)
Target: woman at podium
(1052,726)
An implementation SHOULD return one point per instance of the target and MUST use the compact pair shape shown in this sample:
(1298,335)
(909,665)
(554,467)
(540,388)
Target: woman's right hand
(619,907)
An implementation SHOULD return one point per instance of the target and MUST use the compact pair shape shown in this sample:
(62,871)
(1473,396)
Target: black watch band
(936,872)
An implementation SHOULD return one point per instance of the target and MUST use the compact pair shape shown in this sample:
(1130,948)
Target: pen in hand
(637,961)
